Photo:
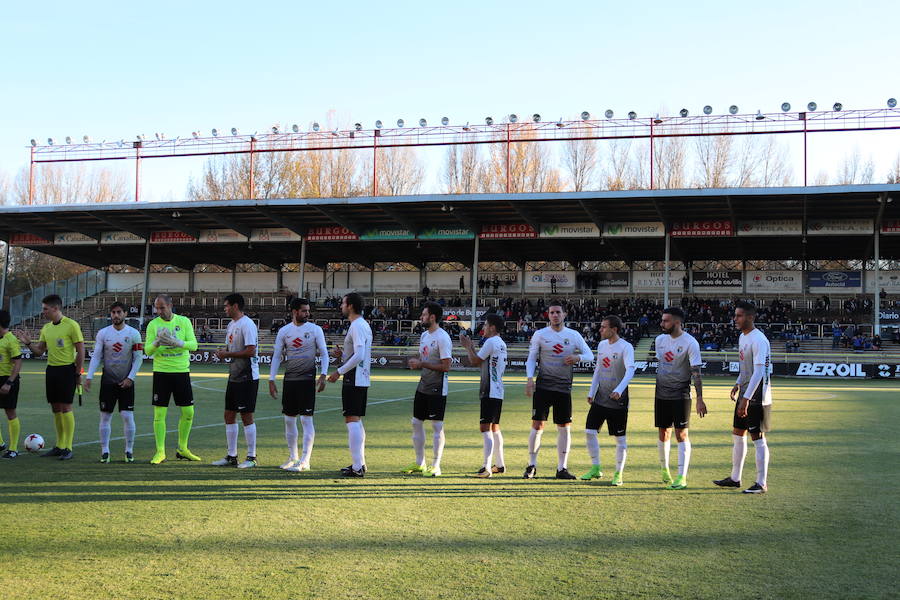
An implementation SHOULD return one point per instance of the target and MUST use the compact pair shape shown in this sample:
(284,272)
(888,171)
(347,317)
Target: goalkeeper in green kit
(170,340)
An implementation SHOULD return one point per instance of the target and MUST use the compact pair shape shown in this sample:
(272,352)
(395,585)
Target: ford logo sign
(835,276)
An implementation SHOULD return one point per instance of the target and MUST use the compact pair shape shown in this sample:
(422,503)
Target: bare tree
(399,172)
(854,170)
(70,184)
(462,168)
(669,163)
(894,172)
(580,160)
(530,169)
(714,160)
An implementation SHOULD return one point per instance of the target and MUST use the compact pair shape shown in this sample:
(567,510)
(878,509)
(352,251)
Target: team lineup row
(553,352)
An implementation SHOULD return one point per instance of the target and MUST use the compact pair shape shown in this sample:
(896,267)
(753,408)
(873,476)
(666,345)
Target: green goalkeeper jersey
(171,359)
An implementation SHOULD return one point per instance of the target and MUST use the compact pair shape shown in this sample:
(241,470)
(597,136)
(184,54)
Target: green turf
(827,528)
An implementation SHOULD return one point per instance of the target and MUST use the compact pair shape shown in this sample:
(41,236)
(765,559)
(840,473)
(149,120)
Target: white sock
(593,445)
(128,428)
(250,437)
(534,445)
(762,460)
(738,454)
(684,457)
(291,434)
(355,442)
(437,441)
(498,449)
(105,431)
(563,445)
(663,448)
(362,445)
(488,448)
(231,434)
(418,439)
(621,452)
(309,436)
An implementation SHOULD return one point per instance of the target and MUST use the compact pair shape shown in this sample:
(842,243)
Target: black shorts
(60,384)
(427,407)
(299,398)
(111,393)
(758,419)
(169,385)
(10,400)
(490,410)
(616,419)
(672,413)
(240,396)
(353,400)
(544,399)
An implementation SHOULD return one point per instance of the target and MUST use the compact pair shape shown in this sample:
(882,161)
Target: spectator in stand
(882,296)
(462,285)
(835,335)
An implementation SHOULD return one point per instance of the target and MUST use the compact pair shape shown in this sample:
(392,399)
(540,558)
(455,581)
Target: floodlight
(585,115)
(513,118)
(234,131)
(656,119)
(86,139)
(157,136)
(536,118)
(33,142)
(295,128)
(445,121)
(683,112)
(785,106)
(838,107)
(68,139)
(812,106)
(378,124)
(707,110)
(357,126)
(315,127)
(892,102)
(274,128)
(215,132)
(196,134)
(759,115)
(422,122)
(488,120)
(632,115)
(400,122)
(560,123)
(609,113)
(733,109)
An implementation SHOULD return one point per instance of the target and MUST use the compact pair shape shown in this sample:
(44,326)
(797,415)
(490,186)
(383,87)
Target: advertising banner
(770,227)
(273,234)
(776,282)
(446,233)
(834,279)
(513,231)
(70,238)
(718,279)
(570,230)
(217,236)
(654,281)
(890,226)
(541,281)
(120,238)
(610,279)
(889,281)
(28,239)
(171,237)
(384,233)
(638,229)
(330,234)
(840,227)
(702,229)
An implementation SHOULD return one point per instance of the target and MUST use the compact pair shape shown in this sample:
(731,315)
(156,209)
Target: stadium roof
(376,220)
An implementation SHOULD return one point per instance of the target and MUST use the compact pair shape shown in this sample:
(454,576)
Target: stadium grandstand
(820,262)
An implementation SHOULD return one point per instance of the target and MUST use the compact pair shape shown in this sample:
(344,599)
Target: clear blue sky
(115,69)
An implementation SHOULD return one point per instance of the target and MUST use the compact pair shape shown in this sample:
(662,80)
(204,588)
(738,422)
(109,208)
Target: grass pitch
(827,528)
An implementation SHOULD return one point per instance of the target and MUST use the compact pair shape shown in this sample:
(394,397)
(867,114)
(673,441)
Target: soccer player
(170,340)
(557,348)
(242,338)
(678,355)
(10,365)
(430,403)
(608,397)
(63,342)
(118,347)
(356,356)
(753,395)
(492,359)
(297,344)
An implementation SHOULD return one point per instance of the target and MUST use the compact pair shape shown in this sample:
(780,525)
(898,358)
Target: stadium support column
(876,299)
(233,278)
(372,284)
(302,282)
(146,289)
(3,277)
(474,284)
(744,278)
(666,272)
(522,278)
